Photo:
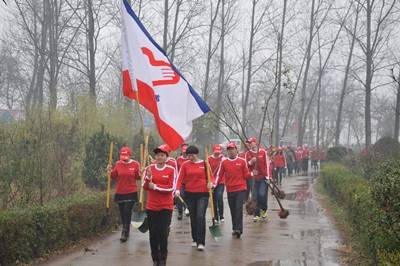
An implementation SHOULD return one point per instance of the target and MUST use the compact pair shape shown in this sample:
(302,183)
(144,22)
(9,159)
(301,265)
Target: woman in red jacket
(235,172)
(280,165)
(215,160)
(193,176)
(125,172)
(159,182)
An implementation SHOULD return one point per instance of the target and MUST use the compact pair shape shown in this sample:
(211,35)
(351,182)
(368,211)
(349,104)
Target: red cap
(217,148)
(251,140)
(163,148)
(125,153)
(231,145)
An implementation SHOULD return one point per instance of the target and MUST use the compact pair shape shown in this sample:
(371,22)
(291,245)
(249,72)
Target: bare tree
(346,77)
(279,76)
(378,14)
(210,50)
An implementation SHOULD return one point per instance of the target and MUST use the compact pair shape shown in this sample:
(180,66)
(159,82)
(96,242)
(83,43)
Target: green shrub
(386,192)
(354,194)
(38,230)
(387,147)
(96,158)
(337,154)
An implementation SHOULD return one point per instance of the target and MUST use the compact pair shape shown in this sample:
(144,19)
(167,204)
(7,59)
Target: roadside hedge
(354,194)
(33,232)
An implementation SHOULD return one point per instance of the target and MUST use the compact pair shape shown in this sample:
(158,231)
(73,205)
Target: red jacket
(172,162)
(235,172)
(280,160)
(179,161)
(314,155)
(215,163)
(126,175)
(306,153)
(263,167)
(193,175)
(298,155)
(161,198)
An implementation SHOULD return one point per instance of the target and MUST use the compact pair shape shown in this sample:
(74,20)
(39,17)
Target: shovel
(139,216)
(283,213)
(215,230)
(184,203)
(278,192)
(106,218)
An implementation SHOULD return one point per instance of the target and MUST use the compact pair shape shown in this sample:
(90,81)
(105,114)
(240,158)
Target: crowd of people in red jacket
(244,174)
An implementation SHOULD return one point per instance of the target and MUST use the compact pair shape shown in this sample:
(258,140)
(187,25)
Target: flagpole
(138,105)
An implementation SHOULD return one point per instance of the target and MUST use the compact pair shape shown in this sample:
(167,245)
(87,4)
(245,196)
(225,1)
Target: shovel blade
(215,231)
(138,218)
(144,227)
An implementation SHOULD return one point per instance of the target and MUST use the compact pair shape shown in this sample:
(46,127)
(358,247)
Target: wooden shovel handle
(110,154)
(208,169)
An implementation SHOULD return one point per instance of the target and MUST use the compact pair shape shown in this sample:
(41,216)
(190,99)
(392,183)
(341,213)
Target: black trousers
(159,222)
(219,201)
(305,165)
(125,210)
(197,204)
(235,201)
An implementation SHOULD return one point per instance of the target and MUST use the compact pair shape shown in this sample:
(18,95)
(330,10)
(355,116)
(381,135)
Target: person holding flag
(126,171)
(259,164)
(215,160)
(193,176)
(159,182)
(235,172)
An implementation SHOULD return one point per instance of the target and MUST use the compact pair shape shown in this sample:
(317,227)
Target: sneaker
(187,212)
(222,220)
(256,219)
(200,247)
(264,215)
(194,244)
(180,216)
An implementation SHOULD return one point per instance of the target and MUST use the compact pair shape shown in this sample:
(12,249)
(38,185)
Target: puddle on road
(278,263)
(300,195)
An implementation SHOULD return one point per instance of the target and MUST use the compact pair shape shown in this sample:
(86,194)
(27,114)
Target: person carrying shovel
(259,164)
(235,171)
(159,182)
(125,172)
(193,175)
(215,160)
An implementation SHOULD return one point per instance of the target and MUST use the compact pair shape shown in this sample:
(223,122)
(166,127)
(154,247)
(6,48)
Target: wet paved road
(306,237)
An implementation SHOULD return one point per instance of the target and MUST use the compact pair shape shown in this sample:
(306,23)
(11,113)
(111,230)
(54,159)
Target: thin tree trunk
(53,53)
(209,51)
(249,67)
(397,114)
(368,77)
(165,33)
(174,33)
(221,80)
(319,95)
(300,131)
(278,92)
(292,97)
(344,87)
(92,52)
(42,61)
